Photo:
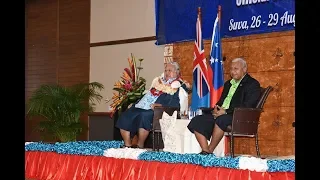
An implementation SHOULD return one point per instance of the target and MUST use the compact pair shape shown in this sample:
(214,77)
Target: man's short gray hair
(244,63)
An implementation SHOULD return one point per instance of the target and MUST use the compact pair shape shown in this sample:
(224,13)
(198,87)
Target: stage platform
(104,160)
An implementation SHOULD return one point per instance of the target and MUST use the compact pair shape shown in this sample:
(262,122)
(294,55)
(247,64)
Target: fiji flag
(216,70)
(201,88)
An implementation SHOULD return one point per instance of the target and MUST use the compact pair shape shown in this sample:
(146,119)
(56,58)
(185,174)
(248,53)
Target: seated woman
(138,118)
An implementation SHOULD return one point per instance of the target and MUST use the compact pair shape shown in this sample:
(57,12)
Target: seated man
(241,91)
(138,118)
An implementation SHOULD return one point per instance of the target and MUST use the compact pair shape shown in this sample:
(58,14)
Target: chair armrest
(167,109)
(158,111)
(247,114)
(247,109)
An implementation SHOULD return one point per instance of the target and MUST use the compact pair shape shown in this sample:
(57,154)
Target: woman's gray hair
(244,63)
(176,66)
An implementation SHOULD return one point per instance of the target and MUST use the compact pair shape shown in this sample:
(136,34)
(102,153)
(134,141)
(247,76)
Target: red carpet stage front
(96,161)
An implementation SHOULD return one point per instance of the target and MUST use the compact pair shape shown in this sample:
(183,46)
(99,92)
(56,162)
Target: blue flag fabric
(200,90)
(216,65)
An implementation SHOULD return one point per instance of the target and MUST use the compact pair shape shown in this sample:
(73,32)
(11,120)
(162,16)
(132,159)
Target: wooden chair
(154,139)
(246,120)
(157,142)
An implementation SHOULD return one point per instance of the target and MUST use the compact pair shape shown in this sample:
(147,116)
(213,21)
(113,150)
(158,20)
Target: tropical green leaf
(119,89)
(62,107)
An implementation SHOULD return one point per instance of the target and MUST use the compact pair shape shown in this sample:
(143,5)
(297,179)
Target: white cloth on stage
(178,139)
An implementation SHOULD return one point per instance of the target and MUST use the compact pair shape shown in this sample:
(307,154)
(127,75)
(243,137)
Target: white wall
(117,20)
(107,64)
(121,19)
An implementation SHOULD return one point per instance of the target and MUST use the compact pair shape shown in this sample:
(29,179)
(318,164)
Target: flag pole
(219,14)
(199,15)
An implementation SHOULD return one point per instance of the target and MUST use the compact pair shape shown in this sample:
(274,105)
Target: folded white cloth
(126,153)
(26,143)
(167,124)
(253,164)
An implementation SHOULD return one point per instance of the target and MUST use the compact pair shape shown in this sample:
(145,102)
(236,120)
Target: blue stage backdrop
(176,19)
(244,17)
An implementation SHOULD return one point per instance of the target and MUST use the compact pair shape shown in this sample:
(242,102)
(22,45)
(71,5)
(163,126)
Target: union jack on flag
(201,88)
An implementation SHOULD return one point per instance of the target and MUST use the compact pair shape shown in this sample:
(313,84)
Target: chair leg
(232,146)
(156,148)
(158,141)
(257,146)
(153,141)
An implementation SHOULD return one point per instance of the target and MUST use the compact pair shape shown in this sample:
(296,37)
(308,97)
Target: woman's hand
(188,85)
(155,105)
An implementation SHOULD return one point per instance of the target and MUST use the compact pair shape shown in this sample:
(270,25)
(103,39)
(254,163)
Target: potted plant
(62,108)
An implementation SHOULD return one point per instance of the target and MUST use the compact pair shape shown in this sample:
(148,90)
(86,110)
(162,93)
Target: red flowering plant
(130,88)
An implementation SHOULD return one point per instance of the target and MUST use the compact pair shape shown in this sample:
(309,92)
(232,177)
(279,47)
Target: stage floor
(93,160)
(238,155)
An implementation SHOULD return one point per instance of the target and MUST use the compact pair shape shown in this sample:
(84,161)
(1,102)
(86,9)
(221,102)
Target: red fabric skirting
(54,166)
